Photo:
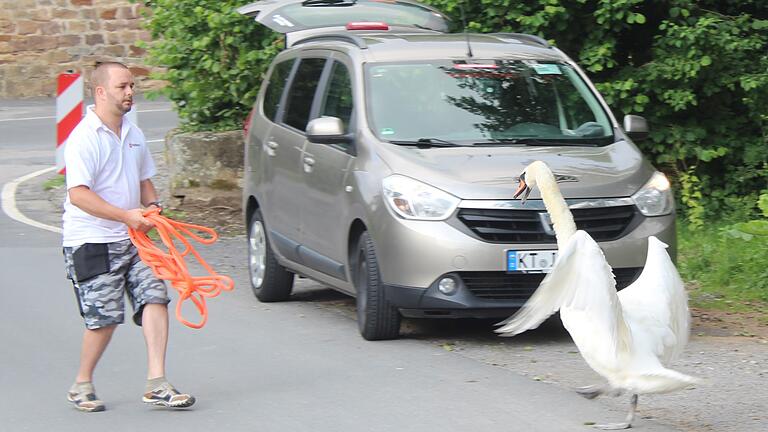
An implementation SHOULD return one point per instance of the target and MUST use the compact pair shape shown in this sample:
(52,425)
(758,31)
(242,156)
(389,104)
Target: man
(108,181)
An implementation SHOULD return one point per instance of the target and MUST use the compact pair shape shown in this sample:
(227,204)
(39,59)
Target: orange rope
(171,266)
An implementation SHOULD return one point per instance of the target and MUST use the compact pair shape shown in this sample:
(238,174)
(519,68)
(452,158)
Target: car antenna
(464,24)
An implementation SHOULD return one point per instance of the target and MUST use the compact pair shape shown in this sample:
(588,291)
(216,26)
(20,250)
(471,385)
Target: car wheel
(377,319)
(270,281)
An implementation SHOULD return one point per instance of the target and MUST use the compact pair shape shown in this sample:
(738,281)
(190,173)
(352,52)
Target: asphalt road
(293,366)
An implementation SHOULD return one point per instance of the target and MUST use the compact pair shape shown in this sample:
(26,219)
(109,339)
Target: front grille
(520,286)
(525,226)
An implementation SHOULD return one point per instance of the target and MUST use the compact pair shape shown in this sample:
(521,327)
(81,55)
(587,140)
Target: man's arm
(148,192)
(90,202)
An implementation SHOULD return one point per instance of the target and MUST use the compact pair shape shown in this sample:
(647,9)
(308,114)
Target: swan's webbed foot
(591,392)
(630,417)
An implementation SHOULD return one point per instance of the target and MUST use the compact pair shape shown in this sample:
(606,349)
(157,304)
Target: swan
(626,337)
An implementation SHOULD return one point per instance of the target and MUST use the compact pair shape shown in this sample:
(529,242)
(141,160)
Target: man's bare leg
(94,344)
(82,393)
(154,321)
(159,391)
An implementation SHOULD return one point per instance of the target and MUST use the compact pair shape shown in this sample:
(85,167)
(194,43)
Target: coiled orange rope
(171,266)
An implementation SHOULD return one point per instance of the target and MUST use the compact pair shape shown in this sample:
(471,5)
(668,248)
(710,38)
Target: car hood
(616,170)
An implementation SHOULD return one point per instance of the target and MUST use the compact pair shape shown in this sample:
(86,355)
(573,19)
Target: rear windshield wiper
(592,142)
(429,142)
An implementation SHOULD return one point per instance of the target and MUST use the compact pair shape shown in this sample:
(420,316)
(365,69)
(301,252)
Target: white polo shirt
(110,166)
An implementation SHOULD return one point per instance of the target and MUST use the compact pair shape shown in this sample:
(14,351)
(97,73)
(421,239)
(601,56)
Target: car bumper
(414,255)
(431,303)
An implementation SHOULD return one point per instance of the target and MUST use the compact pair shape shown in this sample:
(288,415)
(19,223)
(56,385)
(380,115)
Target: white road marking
(9,201)
(53,117)
(28,118)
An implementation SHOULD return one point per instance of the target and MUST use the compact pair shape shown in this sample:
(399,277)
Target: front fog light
(447,286)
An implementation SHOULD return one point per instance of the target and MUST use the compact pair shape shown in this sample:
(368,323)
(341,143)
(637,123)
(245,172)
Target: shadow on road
(458,330)
(480,330)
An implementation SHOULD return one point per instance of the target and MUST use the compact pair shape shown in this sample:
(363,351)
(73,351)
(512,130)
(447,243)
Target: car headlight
(413,199)
(655,198)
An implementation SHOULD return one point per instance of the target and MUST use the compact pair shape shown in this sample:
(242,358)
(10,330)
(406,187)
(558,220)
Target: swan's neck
(562,218)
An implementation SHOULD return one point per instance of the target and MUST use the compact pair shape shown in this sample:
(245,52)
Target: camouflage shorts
(101,298)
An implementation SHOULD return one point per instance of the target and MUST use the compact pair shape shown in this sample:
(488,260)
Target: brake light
(474,66)
(367,25)
(247,124)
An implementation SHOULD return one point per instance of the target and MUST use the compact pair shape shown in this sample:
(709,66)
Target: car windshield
(495,102)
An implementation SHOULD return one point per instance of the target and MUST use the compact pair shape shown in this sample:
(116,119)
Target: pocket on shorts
(90,260)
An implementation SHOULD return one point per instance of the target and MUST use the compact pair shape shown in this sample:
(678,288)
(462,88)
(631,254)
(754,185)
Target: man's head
(112,85)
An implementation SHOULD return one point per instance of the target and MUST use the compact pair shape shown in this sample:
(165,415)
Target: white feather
(628,337)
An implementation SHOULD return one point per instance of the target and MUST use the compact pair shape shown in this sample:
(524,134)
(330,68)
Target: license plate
(531,261)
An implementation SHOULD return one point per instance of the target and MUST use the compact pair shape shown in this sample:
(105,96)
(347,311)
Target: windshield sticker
(547,69)
(279,19)
(387,131)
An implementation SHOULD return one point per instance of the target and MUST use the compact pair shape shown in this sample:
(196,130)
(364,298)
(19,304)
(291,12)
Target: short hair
(100,74)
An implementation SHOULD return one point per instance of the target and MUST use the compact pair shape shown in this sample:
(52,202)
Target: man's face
(118,93)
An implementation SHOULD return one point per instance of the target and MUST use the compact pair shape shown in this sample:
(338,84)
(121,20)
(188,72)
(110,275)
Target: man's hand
(135,219)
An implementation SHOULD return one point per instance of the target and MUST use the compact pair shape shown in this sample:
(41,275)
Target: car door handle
(309,161)
(271,146)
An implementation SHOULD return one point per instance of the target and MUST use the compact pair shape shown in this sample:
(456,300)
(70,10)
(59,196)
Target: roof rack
(356,40)
(530,38)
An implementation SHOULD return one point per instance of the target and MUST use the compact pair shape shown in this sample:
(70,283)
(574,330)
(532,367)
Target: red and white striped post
(69,111)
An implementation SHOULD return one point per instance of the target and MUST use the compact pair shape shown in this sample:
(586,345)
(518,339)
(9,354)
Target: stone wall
(39,39)
(205,165)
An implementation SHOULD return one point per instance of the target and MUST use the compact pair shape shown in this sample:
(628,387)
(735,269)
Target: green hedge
(697,70)
(213,58)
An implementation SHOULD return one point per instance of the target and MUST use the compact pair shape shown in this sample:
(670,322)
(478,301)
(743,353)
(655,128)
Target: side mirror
(327,130)
(636,127)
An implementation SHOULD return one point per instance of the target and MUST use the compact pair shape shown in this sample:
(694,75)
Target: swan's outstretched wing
(551,294)
(582,284)
(658,304)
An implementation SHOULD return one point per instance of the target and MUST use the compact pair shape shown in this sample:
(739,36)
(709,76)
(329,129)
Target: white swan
(626,337)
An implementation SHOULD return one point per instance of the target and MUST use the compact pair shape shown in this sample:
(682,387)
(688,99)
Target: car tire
(377,319)
(270,281)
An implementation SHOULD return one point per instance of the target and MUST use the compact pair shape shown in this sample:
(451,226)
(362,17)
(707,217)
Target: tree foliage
(213,58)
(696,69)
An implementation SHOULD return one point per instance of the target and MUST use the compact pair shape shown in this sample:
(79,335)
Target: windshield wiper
(546,142)
(429,142)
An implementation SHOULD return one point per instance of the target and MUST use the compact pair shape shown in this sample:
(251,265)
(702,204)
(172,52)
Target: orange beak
(522,187)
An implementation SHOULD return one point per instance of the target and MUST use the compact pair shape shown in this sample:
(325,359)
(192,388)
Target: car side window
(302,92)
(338,95)
(275,88)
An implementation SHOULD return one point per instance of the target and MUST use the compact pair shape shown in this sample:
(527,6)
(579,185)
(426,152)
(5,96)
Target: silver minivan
(382,156)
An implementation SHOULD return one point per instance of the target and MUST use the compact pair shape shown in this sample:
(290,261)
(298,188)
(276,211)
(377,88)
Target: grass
(722,271)
(54,182)
(171,214)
